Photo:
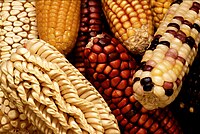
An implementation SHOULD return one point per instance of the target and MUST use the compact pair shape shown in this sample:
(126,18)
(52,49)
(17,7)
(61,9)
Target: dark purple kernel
(197,27)
(154,43)
(136,79)
(130,114)
(174,25)
(186,22)
(190,41)
(177,2)
(171,32)
(113,56)
(196,4)
(147,68)
(166,43)
(104,41)
(145,80)
(142,64)
(169,92)
(194,8)
(179,18)
(148,87)
(180,35)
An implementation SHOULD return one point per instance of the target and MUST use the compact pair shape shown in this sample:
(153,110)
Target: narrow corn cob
(90,25)
(17,23)
(172,51)
(58,22)
(48,97)
(131,22)
(159,8)
(110,69)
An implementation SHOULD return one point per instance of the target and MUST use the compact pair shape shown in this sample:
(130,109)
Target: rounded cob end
(139,41)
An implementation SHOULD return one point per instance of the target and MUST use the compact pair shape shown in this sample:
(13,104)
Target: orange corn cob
(172,51)
(110,69)
(131,22)
(58,22)
(159,9)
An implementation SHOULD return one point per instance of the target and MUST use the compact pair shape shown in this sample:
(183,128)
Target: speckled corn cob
(110,69)
(131,22)
(172,51)
(90,25)
(48,95)
(159,8)
(17,24)
(58,22)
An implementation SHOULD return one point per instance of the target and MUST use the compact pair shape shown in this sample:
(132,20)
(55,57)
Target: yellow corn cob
(17,23)
(54,97)
(159,79)
(131,22)
(159,9)
(58,22)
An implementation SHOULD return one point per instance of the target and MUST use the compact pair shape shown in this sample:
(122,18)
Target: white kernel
(1,94)
(16,45)
(167,77)
(32,19)
(157,80)
(12,18)
(145,74)
(7,109)
(23,41)
(7,23)
(28,5)
(22,34)
(172,74)
(31,14)
(16,3)
(3,32)
(14,12)
(158,91)
(138,88)
(6,3)
(33,23)
(26,27)
(25,20)
(17,23)
(6,102)
(30,9)
(9,40)
(22,15)
(21,8)
(10,34)
(34,28)
(17,29)
(5,15)
(32,36)
(3,43)
(17,38)
(6,8)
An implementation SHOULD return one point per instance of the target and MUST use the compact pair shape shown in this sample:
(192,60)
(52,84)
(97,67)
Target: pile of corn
(97,66)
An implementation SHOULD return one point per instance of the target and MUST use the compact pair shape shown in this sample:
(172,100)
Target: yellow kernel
(156,72)
(133,14)
(118,26)
(134,2)
(143,21)
(126,24)
(139,11)
(172,74)
(167,77)
(137,7)
(114,8)
(129,10)
(142,15)
(123,3)
(121,31)
(130,32)
(120,13)
(157,80)
(137,24)
(124,37)
(124,18)
(162,67)
(167,64)
(133,20)
(115,21)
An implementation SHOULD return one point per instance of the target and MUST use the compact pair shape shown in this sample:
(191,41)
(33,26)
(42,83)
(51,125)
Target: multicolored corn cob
(58,22)
(159,8)
(131,22)
(110,69)
(91,24)
(159,79)
(17,23)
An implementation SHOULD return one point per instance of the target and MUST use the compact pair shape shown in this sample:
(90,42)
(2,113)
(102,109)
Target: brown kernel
(117,94)
(127,108)
(124,56)
(128,91)
(168,85)
(109,49)
(107,70)
(135,118)
(124,65)
(108,91)
(100,67)
(102,58)
(115,81)
(120,117)
(96,48)
(120,48)
(124,122)
(116,112)
(122,85)
(115,63)
(123,102)
(105,84)
(114,73)
(125,74)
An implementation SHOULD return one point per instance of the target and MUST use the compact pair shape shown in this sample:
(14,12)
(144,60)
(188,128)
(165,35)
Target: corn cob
(58,22)
(159,79)
(110,69)
(47,92)
(18,25)
(131,22)
(159,8)
(90,25)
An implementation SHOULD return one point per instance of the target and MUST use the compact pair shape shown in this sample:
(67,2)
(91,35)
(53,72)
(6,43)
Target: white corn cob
(158,81)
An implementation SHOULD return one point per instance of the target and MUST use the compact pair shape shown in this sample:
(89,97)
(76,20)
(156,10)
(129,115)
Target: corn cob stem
(58,22)
(131,22)
(110,69)
(173,49)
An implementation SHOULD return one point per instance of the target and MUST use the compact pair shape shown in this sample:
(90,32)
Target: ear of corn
(159,8)
(131,22)
(54,97)
(17,23)
(90,25)
(172,51)
(58,22)
(110,69)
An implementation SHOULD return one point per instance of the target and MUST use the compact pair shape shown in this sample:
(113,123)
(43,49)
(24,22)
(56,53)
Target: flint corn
(131,22)
(172,51)
(58,22)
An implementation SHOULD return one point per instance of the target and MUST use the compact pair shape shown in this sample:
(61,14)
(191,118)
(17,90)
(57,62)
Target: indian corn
(110,69)
(131,22)
(58,22)
(159,8)
(17,23)
(172,51)
(52,93)
(90,25)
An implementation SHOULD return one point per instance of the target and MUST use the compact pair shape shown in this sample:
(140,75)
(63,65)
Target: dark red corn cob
(91,24)
(110,69)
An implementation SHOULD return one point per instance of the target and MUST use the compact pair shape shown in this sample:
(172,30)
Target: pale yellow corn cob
(58,22)
(171,53)
(131,22)
(48,97)
(159,8)
(17,23)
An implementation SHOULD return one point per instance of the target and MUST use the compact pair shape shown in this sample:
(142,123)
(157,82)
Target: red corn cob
(90,25)
(110,69)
